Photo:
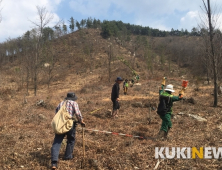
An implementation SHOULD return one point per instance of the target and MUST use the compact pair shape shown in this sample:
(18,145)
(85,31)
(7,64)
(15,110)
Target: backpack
(164,105)
(62,122)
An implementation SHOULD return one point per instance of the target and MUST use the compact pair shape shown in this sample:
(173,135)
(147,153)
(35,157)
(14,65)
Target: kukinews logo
(188,152)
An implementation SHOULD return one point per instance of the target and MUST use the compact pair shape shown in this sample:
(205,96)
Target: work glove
(83,124)
(164,81)
(180,96)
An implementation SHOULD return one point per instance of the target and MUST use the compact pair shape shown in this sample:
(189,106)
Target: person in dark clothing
(115,97)
(132,82)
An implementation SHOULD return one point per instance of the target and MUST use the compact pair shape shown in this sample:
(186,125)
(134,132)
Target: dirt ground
(26,135)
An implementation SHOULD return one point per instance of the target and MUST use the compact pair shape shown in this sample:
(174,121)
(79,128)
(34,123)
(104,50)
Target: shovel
(83,141)
(83,147)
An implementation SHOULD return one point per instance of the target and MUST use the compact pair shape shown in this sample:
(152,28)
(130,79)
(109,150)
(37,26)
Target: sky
(162,14)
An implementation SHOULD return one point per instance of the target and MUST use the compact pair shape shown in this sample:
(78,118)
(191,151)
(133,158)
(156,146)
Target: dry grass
(26,135)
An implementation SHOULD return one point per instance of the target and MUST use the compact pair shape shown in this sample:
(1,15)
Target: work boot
(54,166)
(166,134)
(161,135)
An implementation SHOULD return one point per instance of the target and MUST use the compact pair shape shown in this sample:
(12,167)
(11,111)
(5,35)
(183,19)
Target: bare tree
(213,57)
(26,57)
(50,60)
(89,50)
(205,54)
(136,45)
(44,18)
(110,56)
(149,55)
(110,53)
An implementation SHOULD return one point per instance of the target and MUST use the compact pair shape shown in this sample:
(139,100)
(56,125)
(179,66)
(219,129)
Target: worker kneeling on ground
(131,82)
(164,110)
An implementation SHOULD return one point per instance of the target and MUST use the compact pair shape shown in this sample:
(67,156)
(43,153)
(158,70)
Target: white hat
(169,88)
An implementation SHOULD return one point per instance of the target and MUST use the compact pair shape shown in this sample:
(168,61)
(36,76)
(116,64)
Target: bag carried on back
(164,105)
(62,122)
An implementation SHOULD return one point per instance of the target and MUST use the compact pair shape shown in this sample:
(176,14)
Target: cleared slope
(26,134)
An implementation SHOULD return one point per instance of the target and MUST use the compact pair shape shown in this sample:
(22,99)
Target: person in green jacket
(137,78)
(125,86)
(166,119)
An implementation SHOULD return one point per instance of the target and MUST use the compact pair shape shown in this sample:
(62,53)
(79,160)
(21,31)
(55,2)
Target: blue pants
(69,147)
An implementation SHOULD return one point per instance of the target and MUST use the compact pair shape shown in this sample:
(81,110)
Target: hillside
(25,130)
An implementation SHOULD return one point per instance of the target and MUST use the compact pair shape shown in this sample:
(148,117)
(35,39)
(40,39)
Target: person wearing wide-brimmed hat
(73,110)
(115,97)
(166,119)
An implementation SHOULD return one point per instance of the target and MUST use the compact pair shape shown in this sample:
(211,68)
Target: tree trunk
(90,55)
(49,77)
(215,84)
(35,80)
(169,65)
(110,56)
(208,80)
(35,69)
(214,59)
(27,81)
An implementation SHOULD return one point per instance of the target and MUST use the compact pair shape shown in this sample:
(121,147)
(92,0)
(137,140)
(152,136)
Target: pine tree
(72,24)
(78,25)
